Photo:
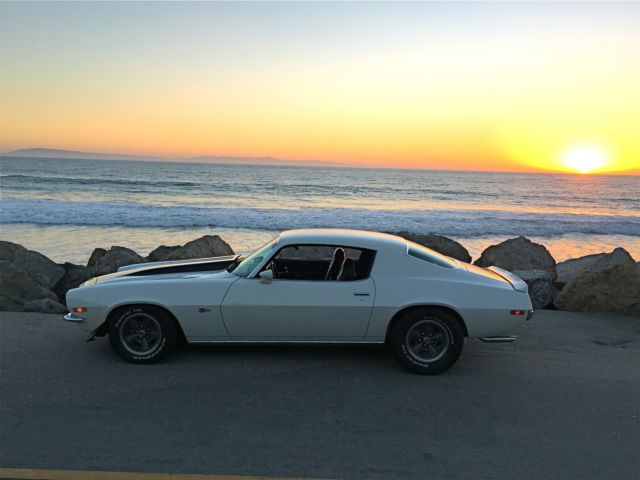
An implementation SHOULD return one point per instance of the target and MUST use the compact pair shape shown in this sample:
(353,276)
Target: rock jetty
(605,282)
(199,248)
(518,254)
(32,282)
(440,244)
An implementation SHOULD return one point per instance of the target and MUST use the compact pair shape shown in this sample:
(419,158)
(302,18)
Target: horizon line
(55,153)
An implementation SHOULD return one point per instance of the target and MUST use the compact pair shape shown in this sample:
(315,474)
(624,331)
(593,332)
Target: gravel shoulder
(561,402)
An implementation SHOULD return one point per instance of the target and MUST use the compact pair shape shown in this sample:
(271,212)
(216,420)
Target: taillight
(517,312)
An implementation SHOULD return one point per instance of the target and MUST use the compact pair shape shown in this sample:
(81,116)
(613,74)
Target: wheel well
(113,313)
(399,315)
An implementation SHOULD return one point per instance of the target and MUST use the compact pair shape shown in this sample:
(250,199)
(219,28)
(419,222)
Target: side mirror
(266,276)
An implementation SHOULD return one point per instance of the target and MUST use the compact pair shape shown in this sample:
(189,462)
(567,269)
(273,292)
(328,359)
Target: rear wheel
(142,334)
(427,341)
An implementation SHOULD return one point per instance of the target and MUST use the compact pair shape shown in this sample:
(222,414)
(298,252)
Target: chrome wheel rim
(427,341)
(140,334)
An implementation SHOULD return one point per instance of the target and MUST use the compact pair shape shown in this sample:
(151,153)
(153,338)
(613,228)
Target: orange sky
(421,85)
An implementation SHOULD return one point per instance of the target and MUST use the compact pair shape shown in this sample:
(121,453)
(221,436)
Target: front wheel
(142,334)
(427,341)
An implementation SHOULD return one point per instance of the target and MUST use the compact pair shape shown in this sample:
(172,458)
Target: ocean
(64,208)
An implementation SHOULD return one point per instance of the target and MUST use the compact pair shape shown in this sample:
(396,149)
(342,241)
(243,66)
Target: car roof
(347,238)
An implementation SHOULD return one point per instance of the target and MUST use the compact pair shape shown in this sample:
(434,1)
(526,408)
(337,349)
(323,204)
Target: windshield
(246,266)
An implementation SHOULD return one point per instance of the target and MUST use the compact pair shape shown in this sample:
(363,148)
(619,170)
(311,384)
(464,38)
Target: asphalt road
(562,402)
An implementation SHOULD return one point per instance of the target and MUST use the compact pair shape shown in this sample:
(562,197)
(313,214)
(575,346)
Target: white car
(316,285)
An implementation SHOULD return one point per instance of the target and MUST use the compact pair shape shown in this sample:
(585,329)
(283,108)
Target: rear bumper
(72,317)
(498,339)
(505,338)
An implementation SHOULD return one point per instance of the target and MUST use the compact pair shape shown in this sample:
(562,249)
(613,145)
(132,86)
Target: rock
(115,258)
(207,246)
(162,252)
(540,284)
(45,305)
(73,277)
(19,288)
(96,255)
(570,269)
(613,289)
(556,288)
(41,269)
(518,254)
(440,244)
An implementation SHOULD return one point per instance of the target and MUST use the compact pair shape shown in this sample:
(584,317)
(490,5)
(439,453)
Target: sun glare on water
(585,160)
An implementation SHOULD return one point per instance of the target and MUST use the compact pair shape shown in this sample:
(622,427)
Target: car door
(290,310)
(302,302)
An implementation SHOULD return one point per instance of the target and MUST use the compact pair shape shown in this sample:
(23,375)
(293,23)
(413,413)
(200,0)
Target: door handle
(361,294)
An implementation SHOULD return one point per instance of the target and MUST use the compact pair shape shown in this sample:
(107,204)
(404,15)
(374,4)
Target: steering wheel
(274,269)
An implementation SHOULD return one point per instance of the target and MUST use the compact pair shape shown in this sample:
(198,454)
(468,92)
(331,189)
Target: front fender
(193,301)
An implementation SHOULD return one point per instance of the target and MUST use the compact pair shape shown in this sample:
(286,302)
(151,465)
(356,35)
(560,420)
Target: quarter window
(430,256)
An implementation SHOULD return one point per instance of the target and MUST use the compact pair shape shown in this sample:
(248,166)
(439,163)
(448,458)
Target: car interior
(321,262)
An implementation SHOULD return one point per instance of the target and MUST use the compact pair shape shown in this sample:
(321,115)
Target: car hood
(162,270)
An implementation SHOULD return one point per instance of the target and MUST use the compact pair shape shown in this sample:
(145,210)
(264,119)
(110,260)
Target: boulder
(518,254)
(18,288)
(613,289)
(162,253)
(440,244)
(45,305)
(96,255)
(74,275)
(41,269)
(207,246)
(115,258)
(540,284)
(570,269)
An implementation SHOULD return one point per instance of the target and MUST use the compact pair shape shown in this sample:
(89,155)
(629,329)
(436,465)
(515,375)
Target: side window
(322,262)
(305,252)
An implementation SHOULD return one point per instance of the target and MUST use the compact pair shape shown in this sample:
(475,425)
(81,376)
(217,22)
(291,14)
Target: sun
(585,160)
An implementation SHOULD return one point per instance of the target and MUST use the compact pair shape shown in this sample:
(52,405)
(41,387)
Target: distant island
(74,154)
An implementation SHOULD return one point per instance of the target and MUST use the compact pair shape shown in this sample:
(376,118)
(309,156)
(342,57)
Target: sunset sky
(482,86)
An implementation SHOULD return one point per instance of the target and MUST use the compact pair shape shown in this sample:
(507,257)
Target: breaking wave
(459,222)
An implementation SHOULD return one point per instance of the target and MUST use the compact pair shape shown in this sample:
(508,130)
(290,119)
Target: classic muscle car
(316,285)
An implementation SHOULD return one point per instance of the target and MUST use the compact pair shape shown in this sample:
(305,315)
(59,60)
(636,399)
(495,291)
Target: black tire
(142,333)
(427,340)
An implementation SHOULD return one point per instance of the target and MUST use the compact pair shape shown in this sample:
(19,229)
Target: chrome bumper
(498,339)
(72,317)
